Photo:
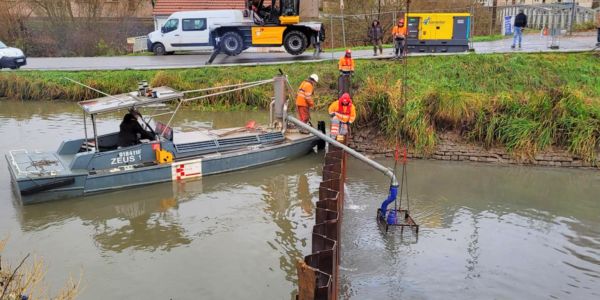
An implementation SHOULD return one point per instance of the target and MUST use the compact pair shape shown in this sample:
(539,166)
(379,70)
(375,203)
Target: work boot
(512,47)
(519,46)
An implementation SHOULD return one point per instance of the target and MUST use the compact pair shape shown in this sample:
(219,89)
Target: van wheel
(295,42)
(232,43)
(158,49)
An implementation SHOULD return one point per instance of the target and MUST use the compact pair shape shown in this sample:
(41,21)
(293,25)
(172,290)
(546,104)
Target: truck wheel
(232,43)
(295,42)
(158,49)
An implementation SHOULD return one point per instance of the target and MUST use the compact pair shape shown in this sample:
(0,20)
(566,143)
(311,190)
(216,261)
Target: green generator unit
(438,32)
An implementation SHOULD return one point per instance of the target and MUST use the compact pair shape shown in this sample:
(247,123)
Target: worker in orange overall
(346,67)
(399,35)
(346,63)
(342,113)
(304,99)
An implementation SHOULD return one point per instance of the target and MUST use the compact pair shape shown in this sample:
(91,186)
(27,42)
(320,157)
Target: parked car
(11,57)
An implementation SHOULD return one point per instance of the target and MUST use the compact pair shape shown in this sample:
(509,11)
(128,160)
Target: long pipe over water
(386,171)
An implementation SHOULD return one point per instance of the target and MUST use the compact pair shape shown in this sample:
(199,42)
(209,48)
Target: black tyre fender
(295,42)
(159,49)
(232,43)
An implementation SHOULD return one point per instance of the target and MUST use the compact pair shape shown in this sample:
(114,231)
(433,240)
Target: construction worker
(346,64)
(346,67)
(342,113)
(399,35)
(304,100)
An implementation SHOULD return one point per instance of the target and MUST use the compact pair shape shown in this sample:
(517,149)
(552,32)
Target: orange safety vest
(397,31)
(346,64)
(343,113)
(305,93)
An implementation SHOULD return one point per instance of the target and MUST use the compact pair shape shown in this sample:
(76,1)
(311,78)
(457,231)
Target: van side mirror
(162,29)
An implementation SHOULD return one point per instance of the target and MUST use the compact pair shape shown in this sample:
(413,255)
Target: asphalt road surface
(531,43)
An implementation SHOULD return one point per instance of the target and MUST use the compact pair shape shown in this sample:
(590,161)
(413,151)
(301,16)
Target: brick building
(164,8)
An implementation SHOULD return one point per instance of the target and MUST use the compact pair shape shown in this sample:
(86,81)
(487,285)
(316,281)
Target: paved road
(531,43)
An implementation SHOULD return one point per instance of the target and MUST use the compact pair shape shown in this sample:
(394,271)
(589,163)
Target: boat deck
(38,164)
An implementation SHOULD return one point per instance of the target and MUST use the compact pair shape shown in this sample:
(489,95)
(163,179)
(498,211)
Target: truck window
(170,25)
(193,24)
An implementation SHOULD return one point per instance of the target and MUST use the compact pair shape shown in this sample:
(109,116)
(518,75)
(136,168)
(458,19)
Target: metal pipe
(85,129)
(95,132)
(386,171)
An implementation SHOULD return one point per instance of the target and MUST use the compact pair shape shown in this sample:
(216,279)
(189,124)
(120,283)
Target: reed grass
(525,102)
(27,279)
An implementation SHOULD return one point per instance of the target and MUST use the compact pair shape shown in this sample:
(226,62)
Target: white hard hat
(314,77)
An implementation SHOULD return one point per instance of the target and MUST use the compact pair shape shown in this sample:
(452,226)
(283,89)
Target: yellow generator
(438,32)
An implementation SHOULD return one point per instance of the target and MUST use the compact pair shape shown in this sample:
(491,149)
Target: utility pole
(494,15)
(573,8)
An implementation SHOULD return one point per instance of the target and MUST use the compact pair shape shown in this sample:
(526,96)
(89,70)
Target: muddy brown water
(487,232)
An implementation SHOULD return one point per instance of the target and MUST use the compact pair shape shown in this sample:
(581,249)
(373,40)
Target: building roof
(167,7)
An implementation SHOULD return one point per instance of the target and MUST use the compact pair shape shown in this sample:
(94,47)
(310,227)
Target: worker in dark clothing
(376,37)
(131,131)
(598,27)
(520,23)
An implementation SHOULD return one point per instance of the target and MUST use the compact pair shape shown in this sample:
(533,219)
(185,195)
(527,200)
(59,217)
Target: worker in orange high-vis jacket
(342,113)
(346,63)
(304,99)
(399,35)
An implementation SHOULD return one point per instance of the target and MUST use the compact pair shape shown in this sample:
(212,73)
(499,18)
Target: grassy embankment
(526,102)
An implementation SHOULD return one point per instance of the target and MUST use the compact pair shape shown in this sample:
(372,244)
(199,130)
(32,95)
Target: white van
(190,30)
(11,57)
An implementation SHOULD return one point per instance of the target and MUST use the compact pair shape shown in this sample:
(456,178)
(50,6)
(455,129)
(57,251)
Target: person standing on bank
(520,24)
(304,99)
(376,37)
(399,35)
(598,27)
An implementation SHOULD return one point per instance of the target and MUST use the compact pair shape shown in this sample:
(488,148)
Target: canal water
(487,232)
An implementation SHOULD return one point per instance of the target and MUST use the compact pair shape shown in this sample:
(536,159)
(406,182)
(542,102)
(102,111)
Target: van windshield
(2,45)
(170,25)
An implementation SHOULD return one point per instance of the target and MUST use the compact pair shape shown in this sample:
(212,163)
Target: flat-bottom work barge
(98,164)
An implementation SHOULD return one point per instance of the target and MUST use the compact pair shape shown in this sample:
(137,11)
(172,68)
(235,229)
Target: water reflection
(138,218)
(284,207)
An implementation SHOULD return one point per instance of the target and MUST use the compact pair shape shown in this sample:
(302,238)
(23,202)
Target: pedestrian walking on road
(520,24)
(598,27)
(399,35)
(304,99)
(376,37)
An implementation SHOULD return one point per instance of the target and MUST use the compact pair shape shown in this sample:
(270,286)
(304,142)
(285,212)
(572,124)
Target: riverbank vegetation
(26,280)
(526,102)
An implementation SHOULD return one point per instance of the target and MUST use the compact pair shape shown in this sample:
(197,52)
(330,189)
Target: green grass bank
(525,102)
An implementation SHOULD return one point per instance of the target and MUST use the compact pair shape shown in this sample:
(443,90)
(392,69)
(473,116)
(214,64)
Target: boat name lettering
(126,157)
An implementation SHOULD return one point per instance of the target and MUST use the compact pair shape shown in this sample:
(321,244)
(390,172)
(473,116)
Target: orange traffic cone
(545,31)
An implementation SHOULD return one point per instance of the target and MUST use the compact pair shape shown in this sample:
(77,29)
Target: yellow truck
(269,23)
(438,32)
